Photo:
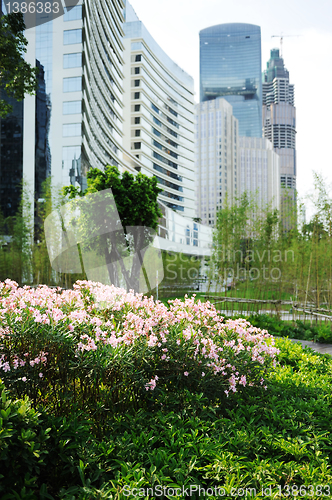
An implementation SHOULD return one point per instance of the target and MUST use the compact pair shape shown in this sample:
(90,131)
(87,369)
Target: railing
(302,309)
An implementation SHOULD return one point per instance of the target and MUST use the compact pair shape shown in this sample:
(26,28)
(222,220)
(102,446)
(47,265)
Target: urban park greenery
(110,395)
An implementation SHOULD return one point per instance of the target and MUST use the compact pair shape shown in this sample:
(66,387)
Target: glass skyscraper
(230,67)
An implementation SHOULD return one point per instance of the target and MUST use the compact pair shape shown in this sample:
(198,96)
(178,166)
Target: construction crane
(281,40)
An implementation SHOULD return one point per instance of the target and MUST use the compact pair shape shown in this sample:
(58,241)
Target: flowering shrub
(102,349)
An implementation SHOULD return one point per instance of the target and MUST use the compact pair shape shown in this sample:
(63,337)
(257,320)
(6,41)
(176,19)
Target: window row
(72,84)
(72,60)
(72,107)
(73,13)
(71,37)
(71,129)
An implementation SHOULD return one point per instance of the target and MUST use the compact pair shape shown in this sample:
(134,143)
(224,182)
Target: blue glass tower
(230,67)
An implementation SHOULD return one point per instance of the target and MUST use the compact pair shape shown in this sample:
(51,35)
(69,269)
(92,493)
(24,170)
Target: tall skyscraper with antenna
(279,117)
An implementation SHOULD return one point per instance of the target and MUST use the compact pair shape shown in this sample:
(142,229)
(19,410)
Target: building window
(137,133)
(154,108)
(138,58)
(72,84)
(137,71)
(137,145)
(136,83)
(137,107)
(137,120)
(72,36)
(71,129)
(72,107)
(73,13)
(136,95)
(72,60)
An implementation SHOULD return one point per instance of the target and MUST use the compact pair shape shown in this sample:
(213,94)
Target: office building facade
(81,55)
(230,67)
(259,171)
(84,113)
(228,165)
(279,117)
(159,116)
(216,157)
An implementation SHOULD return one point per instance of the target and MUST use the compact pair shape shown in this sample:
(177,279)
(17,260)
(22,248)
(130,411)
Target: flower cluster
(188,337)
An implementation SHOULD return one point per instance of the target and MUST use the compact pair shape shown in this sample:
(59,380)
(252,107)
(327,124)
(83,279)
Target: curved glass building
(230,67)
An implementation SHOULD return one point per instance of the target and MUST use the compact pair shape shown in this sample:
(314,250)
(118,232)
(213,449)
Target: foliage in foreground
(101,350)
(17,77)
(320,332)
(278,438)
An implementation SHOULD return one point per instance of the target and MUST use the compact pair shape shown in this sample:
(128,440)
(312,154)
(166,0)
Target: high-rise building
(279,117)
(108,94)
(259,171)
(11,159)
(82,60)
(216,141)
(230,67)
(228,165)
(158,115)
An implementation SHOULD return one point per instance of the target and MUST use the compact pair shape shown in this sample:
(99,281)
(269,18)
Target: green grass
(278,438)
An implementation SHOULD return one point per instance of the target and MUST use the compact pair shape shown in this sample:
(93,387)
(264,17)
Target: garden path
(323,348)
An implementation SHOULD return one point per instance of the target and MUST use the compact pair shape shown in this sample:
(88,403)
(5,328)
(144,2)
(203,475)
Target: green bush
(295,330)
(23,445)
(100,350)
(279,438)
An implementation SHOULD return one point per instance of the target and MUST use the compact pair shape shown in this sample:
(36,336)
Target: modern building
(228,165)
(216,157)
(84,87)
(11,159)
(230,67)
(183,234)
(279,117)
(105,87)
(158,115)
(259,171)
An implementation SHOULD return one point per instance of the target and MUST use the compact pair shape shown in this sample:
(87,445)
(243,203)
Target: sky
(307,52)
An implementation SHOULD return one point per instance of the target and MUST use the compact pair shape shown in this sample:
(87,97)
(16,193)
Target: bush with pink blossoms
(101,349)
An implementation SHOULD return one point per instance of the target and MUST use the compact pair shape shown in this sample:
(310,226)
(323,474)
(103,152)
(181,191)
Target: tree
(136,203)
(17,77)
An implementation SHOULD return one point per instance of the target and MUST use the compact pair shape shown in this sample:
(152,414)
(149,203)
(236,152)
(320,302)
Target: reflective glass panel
(72,36)
(73,13)
(72,60)
(72,107)
(72,84)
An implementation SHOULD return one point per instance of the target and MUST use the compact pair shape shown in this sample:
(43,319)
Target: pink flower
(24,379)
(152,384)
(186,374)
(203,374)
(41,375)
